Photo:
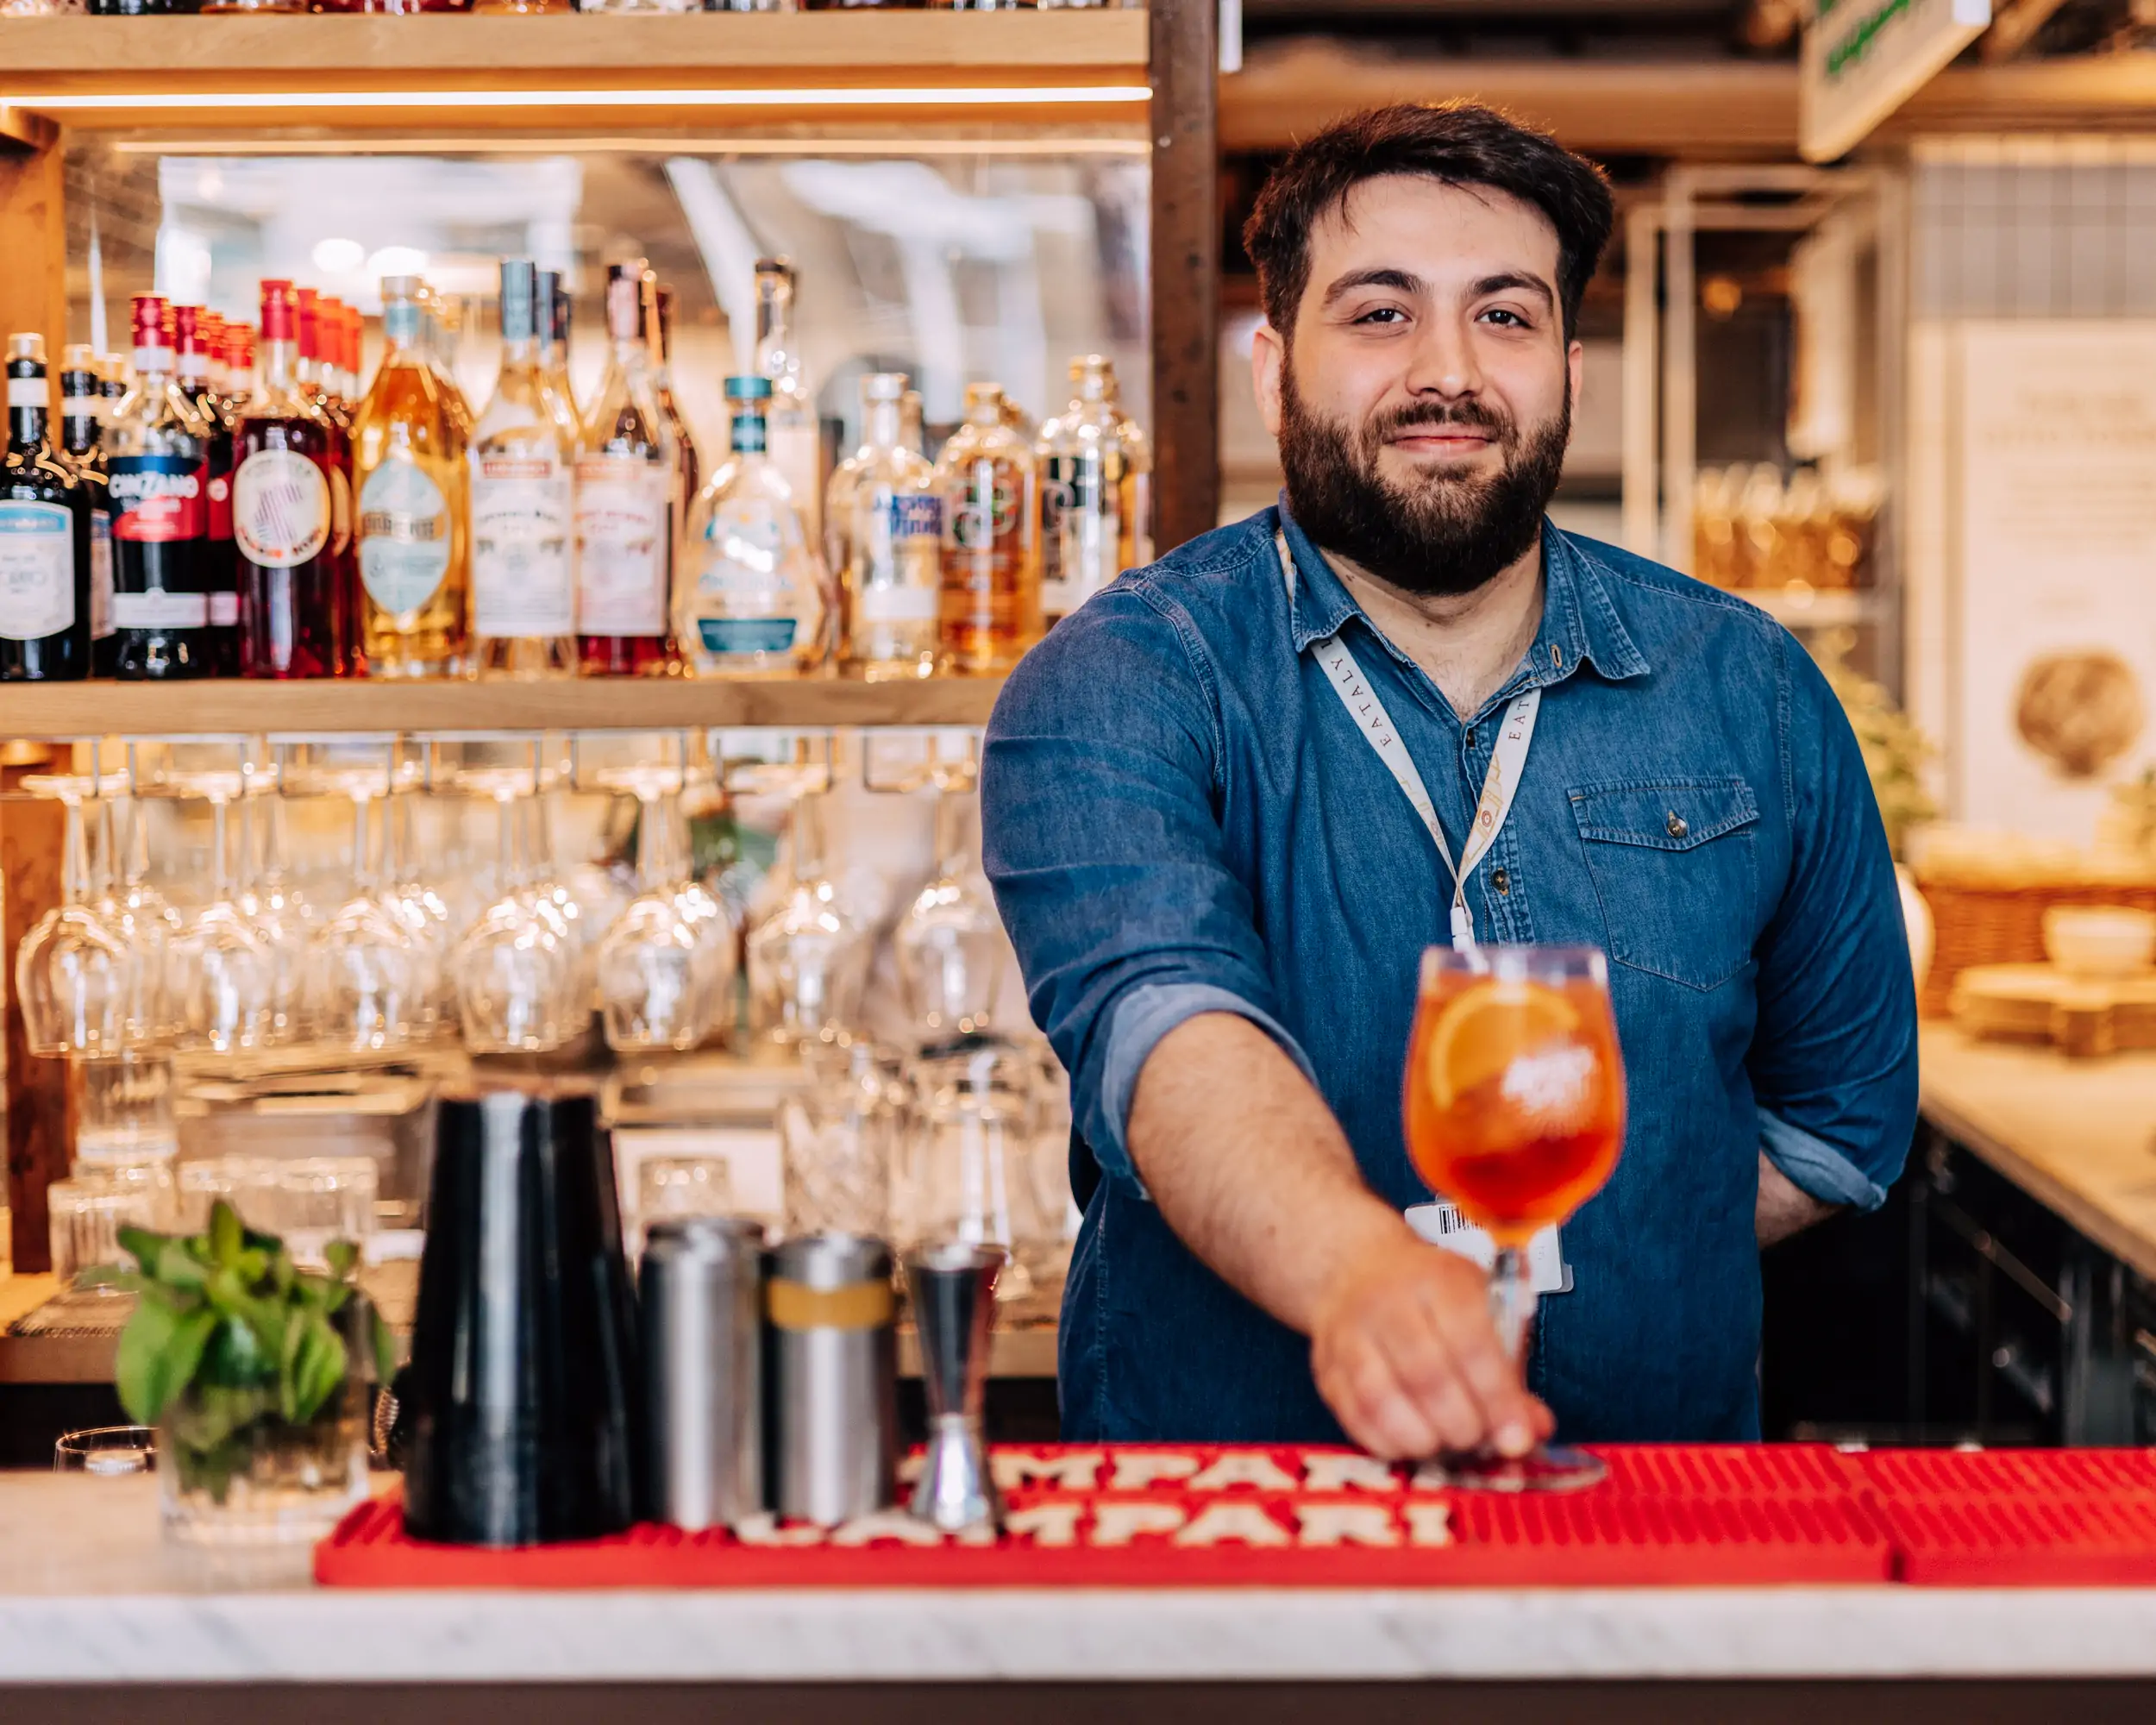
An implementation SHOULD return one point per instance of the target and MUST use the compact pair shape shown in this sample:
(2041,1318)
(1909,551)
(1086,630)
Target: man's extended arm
(1251,1170)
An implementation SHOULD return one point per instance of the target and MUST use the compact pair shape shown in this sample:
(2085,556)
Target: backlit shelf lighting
(1059,96)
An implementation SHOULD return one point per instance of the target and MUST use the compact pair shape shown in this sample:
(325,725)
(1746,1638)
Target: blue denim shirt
(1180,817)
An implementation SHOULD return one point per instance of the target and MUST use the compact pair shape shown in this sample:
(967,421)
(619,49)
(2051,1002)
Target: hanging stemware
(660,979)
(514,969)
(223,974)
(808,959)
(365,973)
(81,987)
(950,945)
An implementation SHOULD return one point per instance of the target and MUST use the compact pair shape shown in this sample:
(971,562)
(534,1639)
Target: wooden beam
(1185,271)
(2013,27)
(40,1125)
(33,246)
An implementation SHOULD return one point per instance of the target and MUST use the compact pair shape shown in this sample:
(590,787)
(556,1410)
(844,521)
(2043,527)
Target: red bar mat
(1211,1516)
(2019,1473)
(2015,1542)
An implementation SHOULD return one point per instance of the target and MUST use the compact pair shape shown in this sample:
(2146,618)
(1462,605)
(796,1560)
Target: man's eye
(1511,319)
(1384,314)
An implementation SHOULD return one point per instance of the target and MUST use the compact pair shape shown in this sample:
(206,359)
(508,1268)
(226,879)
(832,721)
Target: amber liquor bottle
(157,466)
(295,619)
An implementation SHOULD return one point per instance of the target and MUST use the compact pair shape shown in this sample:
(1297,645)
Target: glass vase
(233,1471)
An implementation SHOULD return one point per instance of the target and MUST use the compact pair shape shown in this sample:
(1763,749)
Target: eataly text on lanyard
(1500,785)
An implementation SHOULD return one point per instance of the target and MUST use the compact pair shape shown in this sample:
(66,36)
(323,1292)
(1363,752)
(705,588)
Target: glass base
(1551,1467)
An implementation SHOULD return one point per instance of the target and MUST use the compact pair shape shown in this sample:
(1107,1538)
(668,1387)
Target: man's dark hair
(1461,143)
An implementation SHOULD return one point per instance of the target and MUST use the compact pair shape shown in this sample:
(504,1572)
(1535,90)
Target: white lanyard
(1500,785)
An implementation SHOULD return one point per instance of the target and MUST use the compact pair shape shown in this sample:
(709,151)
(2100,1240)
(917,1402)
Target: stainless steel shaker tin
(702,1302)
(831,1311)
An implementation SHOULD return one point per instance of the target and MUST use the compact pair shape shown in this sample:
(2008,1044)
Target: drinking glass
(317,1199)
(365,983)
(840,1139)
(515,970)
(808,960)
(1515,1111)
(222,973)
(81,986)
(950,944)
(659,980)
(279,919)
(137,915)
(87,1211)
(126,1117)
(971,1173)
(249,1184)
(108,1452)
(669,1187)
(419,907)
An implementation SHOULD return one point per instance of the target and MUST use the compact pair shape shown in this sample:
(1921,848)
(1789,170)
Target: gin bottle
(522,463)
(754,604)
(408,472)
(1094,470)
(893,531)
(44,535)
(796,441)
(624,480)
(989,486)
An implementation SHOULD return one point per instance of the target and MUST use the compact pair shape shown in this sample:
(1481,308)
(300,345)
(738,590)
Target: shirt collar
(1580,619)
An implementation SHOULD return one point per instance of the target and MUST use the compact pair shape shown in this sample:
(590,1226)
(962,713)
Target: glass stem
(362,876)
(107,872)
(137,842)
(75,869)
(807,837)
(220,883)
(511,878)
(650,844)
(1512,1301)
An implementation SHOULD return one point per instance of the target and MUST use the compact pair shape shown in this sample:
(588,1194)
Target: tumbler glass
(87,1210)
(106,1451)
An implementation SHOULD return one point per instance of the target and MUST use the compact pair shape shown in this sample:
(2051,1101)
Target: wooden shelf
(716,64)
(237,707)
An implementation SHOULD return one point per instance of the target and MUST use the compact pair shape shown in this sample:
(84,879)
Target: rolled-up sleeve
(1102,842)
(1833,1057)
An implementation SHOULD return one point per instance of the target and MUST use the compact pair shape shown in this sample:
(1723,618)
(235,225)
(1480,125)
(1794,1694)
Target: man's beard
(1454,531)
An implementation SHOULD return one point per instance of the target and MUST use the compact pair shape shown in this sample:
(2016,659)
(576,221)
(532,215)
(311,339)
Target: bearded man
(1221,805)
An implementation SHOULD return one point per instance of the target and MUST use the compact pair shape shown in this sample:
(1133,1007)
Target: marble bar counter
(93,1604)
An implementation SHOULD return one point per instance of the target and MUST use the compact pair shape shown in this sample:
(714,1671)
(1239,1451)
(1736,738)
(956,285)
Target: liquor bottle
(1095,495)
(522,463)
(219,570)
(409,476)
(44,535)
(624,481)
(991,559)
(157,464)
(82,415)
(239,369)
(440,336)
(891,583)
(797,444)
(689,469)
(910,432)
(295,617)
(755,604)
(554,309)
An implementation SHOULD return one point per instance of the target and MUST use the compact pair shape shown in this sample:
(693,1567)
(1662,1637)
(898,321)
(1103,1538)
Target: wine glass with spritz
(1515,1111)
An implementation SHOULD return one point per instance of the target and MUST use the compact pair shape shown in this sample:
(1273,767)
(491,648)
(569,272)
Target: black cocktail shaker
(522,1396)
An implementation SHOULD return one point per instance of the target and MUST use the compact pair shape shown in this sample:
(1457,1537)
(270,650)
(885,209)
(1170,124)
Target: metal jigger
(954,1301)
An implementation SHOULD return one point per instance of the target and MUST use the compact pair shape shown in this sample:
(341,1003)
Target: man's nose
(1443,362)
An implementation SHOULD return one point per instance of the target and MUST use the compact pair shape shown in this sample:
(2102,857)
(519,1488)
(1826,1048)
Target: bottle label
(987,513)
(161,609)
(911,516)
(621,530)
(898,604)
(158,499)
(403,536)
(726,638)
(224,610)
(100,573)
(280,509)
(522,514)
(29,393)
(340,511)
(37,570)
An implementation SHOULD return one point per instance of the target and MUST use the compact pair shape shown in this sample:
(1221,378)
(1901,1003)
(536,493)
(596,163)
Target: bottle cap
(279,311)
(748,389)
(520,299)
(883,387)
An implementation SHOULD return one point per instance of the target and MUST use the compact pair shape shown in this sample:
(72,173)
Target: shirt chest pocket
(1675,863)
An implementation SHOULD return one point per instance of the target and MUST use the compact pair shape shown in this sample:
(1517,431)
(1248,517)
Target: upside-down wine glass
(1515,1113)
(365,977)
(660,982)
(514,968)
(80,984)
(223,973)
(808,959)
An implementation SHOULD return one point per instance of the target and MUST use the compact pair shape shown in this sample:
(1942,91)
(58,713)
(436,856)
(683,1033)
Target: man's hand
(1406,1356)
(1785,1207)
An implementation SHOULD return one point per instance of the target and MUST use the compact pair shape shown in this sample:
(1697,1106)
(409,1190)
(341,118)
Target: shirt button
(1502,881)
(1677,824)
(1470,742)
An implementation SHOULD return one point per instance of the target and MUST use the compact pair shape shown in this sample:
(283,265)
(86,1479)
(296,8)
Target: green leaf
(175,1266)
(146,1246)
(385,1341)
(226,1242)
(341,1255)
(316,1371)
(158,1352)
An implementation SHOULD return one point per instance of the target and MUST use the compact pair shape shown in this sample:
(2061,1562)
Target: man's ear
(1575,370)
(1268,355)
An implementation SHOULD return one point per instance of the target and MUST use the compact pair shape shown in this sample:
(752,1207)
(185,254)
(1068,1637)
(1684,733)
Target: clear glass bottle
(796,439)
(688,473)
(82,429)
(295,603)
(755,605)
(891,584)
(624,480)
(555,310)
(157,451)
(440,339)
(991,558)
(414,508)
(44,535)
(1094,472)
(523,466)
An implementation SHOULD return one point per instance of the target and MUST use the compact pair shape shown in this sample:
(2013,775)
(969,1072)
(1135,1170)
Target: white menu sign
(1864,59)
(2053,627)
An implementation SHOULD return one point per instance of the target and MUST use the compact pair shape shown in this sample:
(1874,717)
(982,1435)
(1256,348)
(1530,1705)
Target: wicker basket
(1998,920)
